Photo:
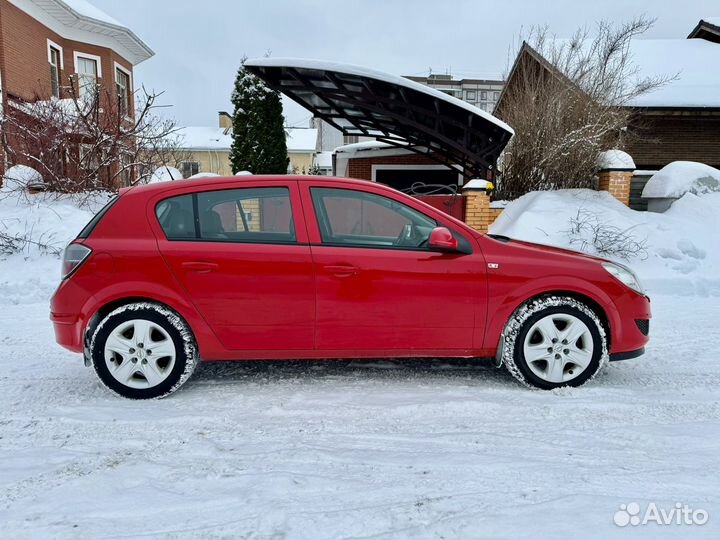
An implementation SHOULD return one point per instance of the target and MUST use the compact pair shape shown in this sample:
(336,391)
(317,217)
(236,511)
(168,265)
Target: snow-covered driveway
(360,449)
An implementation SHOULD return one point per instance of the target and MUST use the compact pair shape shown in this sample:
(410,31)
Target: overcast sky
(198,45)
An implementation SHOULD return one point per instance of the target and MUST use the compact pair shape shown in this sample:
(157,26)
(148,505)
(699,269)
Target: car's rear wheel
(554,341)
(143,350)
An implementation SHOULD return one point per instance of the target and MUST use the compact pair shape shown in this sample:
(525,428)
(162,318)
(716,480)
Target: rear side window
(96,219)
(247,215)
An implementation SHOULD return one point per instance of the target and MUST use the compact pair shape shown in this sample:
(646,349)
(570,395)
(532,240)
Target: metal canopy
(394,110)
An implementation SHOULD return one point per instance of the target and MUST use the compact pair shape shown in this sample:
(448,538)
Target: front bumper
(630,334)
(614,357)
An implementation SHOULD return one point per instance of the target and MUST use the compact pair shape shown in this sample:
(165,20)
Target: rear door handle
(341,270)
(199,266)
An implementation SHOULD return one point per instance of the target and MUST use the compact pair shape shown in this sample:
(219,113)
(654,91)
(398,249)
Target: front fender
(504,300)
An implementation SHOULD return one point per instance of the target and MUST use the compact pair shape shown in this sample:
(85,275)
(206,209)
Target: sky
(199,45)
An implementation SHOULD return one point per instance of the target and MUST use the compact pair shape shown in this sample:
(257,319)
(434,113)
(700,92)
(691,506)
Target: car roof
(239,180)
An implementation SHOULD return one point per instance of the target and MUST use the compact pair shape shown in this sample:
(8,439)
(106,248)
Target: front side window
(356,218)
(87,71)
(122,84)
(248,215)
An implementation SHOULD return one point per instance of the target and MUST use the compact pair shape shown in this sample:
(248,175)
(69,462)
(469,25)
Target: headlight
(625,275)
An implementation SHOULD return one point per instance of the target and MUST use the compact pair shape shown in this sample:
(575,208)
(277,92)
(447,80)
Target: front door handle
(200,267)
(341,270)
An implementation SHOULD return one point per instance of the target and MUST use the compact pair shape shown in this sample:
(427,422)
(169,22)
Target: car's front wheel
(143,351)
(554,341)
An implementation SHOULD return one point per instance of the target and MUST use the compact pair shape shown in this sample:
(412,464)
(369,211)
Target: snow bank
(204,175)
(677,252)
(43,225)
(165,174)
(680,177)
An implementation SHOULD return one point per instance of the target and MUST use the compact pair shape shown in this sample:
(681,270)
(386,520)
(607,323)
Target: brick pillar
(617,183)
(478,213)
(615,170)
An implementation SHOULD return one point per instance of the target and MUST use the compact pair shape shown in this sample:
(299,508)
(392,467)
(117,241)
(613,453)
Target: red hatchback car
(261,267)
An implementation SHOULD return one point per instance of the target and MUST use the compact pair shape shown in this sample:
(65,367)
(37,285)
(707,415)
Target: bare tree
(90,142)
(568,100)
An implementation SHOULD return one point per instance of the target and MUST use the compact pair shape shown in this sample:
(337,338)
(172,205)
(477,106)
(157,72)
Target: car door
(380,290)
(242,256)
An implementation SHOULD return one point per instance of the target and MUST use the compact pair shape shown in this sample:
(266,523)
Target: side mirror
(441,239)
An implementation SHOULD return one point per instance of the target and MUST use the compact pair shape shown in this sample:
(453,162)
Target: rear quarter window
(177,218)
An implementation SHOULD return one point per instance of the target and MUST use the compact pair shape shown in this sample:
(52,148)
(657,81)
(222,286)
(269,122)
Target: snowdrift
(41,226)
(680,177)
(677,252)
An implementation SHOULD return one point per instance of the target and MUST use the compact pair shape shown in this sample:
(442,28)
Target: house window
(483,95)
(496,95)
(189,168)
(122,85)
(126,169)
(87,71)
(470,95)
(54,58)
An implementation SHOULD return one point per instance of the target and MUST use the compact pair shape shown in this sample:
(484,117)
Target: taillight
(73,257)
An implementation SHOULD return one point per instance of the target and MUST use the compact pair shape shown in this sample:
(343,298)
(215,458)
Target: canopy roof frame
(396,111)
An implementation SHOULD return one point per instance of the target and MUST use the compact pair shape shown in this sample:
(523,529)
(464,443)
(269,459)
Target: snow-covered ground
(349,449)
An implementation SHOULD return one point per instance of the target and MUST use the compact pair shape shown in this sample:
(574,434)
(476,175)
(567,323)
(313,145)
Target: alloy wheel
(139,354)
(558,347)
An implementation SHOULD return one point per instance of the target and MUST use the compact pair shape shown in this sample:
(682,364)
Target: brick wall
(361,168)
(25,66)
(667,138)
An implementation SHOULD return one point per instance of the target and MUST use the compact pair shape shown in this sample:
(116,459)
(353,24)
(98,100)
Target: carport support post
(478,214)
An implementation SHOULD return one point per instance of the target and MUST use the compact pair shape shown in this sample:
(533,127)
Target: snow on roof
(694,61)
(204,138)
(324,160)
(84,16)
(360,71)
(615,159)
(362,145)
(680,177)
(301,139)
(86,9)
(219,139)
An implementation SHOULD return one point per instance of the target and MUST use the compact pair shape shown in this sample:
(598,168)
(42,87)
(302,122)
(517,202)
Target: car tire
(143,350)
(553,341)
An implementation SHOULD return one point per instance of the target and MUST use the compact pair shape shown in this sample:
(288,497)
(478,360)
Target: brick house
(60,49)
(678,121)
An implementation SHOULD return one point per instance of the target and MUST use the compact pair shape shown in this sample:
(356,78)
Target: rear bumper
(68,331)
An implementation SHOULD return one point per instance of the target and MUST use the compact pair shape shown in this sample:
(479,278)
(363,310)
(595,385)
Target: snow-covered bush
(680,177)
(590,233)
(21,177)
